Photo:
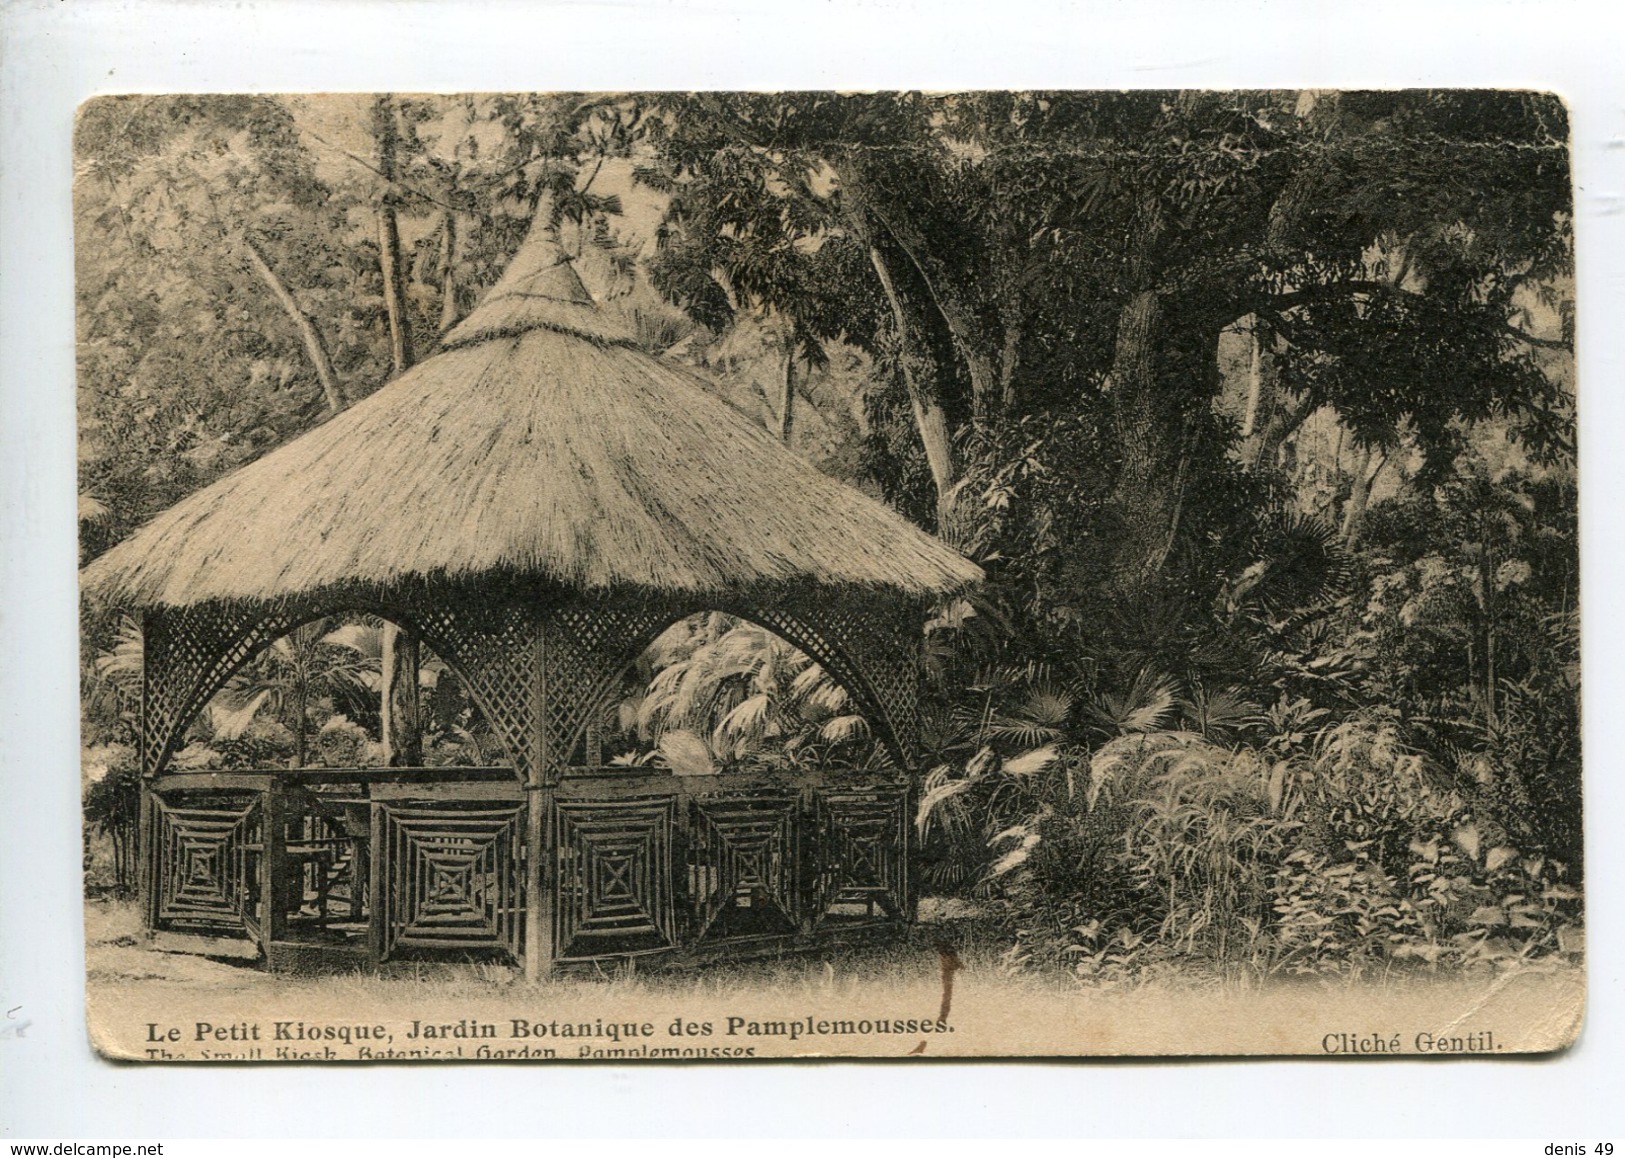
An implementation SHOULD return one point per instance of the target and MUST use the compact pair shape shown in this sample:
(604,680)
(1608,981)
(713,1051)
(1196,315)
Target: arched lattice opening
(312,697)
(716,692)
(275,811)
(742,761)
(861,641)
(192,654)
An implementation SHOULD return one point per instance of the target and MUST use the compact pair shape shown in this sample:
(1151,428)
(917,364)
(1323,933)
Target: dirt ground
(148,1000)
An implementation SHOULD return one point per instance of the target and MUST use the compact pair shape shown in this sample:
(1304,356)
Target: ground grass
(118,951)
(995,1009)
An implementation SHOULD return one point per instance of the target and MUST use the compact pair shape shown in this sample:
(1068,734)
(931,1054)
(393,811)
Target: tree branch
(953,310)
(397,184)
(1543,343)
(1277,304)
(315,348)
(1325,291)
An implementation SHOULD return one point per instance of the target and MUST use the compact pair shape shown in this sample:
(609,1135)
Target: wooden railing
(376,861)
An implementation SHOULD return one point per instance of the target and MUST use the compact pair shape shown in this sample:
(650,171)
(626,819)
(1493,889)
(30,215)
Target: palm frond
(749,719)
(1220,715)
(1024,732)
(1144,706)
(229,721)
(686,754)
(841,729)
(1047,705)
(1032,762)
(123,664)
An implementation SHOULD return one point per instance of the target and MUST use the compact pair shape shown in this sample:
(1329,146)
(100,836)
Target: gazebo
(536,502)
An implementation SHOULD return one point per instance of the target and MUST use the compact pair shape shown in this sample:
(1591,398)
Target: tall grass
(1345,853)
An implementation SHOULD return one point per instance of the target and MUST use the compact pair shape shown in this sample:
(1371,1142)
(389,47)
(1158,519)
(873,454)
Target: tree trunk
(919,376)
(389,239)
(1146,494)
(1271,417)
(956,313)
(986,389)
(929,417)
(315,348)
(787,393)
(1486,569)
(1365,474)
(401,713)
(1260,379)
(448,266)
(1011,358)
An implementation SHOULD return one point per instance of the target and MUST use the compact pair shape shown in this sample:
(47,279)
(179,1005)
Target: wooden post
(911,884)
(146,825)
(146,856)
(377,907)
(273,864)
(538,811)
(538,884)
(809,855)
(595,739)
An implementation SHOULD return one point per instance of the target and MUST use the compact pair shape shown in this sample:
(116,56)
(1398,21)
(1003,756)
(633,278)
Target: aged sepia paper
(717,576)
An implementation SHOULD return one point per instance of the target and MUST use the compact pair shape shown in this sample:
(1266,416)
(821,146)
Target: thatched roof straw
(539,289)
(540,440)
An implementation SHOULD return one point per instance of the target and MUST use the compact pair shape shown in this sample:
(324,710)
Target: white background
(54,54)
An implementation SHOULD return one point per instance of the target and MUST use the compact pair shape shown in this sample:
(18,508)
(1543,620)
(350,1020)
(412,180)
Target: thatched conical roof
(540,440)
(540,288)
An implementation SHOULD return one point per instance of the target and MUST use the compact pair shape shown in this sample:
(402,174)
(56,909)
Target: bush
(111,805)
(1353,856)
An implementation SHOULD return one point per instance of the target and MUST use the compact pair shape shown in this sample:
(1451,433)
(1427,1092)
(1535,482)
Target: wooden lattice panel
(867,643)
(190,653)
(613,883)
(187,656)
(742,870)
(860,854)
(205,864)
(450,876)
(493,650)
(869,648)
(588,644)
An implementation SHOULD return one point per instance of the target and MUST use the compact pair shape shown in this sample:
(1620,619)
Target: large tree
(1018,253)
(220,309)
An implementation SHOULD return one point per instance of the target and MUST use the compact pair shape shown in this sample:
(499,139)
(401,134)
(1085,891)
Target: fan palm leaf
(1145,705)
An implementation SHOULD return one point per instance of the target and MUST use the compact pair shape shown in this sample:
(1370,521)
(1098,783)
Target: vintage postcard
(663,576)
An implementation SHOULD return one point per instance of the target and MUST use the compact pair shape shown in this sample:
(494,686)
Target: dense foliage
(1257,409)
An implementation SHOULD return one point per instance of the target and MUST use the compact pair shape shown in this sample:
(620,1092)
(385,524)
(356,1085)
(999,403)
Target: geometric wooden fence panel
(206,865)
(743,878)
(686,865)
(860,842)
(701,868)
(613,891)
(450,875)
